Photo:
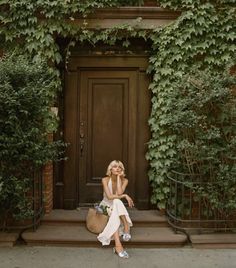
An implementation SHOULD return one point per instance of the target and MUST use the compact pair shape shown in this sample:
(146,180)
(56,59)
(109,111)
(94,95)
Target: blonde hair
(113,163)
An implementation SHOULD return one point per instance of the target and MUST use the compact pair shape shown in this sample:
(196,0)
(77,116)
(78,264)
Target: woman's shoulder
(105,179)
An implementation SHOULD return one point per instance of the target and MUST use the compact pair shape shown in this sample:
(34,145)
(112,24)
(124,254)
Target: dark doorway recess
(105,114)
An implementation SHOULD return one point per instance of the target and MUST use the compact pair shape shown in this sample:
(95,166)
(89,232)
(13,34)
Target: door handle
(81,139)
(81,131)
(81,148)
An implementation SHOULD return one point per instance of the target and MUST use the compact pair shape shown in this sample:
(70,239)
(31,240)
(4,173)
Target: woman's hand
(130,201)
(121,174)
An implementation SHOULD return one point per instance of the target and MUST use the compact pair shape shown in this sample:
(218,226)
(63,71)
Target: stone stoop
(8,239)
(213,240)
(67,228)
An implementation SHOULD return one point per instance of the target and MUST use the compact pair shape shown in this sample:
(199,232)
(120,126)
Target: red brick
(48,185)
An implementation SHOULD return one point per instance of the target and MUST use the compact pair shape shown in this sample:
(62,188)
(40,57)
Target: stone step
(213,240)
(8,239)
(151,218)
(79,236)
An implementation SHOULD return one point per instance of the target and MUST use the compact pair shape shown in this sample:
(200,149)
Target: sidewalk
(74,257)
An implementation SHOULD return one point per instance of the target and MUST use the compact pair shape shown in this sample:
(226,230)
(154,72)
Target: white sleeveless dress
(114,223)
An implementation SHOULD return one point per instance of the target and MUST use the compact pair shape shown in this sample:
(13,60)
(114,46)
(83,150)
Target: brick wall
(48,184)
(48,187)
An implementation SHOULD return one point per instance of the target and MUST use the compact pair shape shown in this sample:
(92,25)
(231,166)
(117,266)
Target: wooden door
(107,122)
(107,105)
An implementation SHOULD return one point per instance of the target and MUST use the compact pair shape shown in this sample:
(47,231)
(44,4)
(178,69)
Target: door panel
(107,127)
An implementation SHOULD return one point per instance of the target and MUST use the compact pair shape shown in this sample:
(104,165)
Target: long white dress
(114,223)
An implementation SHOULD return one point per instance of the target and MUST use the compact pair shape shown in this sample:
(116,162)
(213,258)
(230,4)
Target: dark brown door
(106,111)
(107,121)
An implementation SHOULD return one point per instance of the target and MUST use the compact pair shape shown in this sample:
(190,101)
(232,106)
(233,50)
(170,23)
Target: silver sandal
(126,237)
(122,254)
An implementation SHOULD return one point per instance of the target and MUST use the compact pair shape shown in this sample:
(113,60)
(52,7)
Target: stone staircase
(67,228)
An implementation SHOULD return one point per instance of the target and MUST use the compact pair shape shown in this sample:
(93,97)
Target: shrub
(203,118)
(27,91)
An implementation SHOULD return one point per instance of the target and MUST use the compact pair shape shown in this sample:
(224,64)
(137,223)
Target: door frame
(64,189)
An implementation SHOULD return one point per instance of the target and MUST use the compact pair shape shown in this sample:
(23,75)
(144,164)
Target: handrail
(37,205)
(188,212)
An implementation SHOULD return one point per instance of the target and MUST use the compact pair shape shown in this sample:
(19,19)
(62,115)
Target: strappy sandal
(122,254)
(126,237)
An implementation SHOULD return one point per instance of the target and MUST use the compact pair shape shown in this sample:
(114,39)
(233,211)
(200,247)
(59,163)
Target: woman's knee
(116,201)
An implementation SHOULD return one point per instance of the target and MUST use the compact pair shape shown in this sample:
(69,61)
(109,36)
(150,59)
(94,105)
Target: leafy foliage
(26,91)
(35,24)
(203,37)
(204,122)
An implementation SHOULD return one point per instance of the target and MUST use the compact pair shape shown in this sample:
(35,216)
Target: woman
(119,222)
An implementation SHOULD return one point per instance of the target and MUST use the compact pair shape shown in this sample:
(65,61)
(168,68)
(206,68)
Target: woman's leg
(126,225)
(118,245)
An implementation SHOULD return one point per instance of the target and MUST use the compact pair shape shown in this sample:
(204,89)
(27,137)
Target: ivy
(203,37)
(203,120)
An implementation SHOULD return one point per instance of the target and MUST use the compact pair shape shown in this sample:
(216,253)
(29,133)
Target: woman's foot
(121,252)
(126,236)
(118,249)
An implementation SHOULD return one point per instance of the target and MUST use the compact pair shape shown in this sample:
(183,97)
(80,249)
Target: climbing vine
(36,24)
(203,37)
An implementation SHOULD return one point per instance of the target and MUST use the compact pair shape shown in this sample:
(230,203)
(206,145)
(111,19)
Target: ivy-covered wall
(203,37)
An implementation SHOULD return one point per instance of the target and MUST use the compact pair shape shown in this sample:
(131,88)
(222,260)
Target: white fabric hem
(114,222)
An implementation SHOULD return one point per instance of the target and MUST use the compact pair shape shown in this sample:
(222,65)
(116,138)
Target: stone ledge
(80,236)
(151,12)
(214,240)
(8,239)
(139,217)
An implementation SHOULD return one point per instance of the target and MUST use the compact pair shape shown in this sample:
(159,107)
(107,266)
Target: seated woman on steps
(119,222)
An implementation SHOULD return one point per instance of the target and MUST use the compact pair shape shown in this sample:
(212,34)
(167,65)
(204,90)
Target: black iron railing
(36,197)
(188,211)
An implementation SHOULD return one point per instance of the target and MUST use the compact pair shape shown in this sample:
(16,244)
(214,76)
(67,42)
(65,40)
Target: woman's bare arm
(108,193)
(116,196)
(121,186)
